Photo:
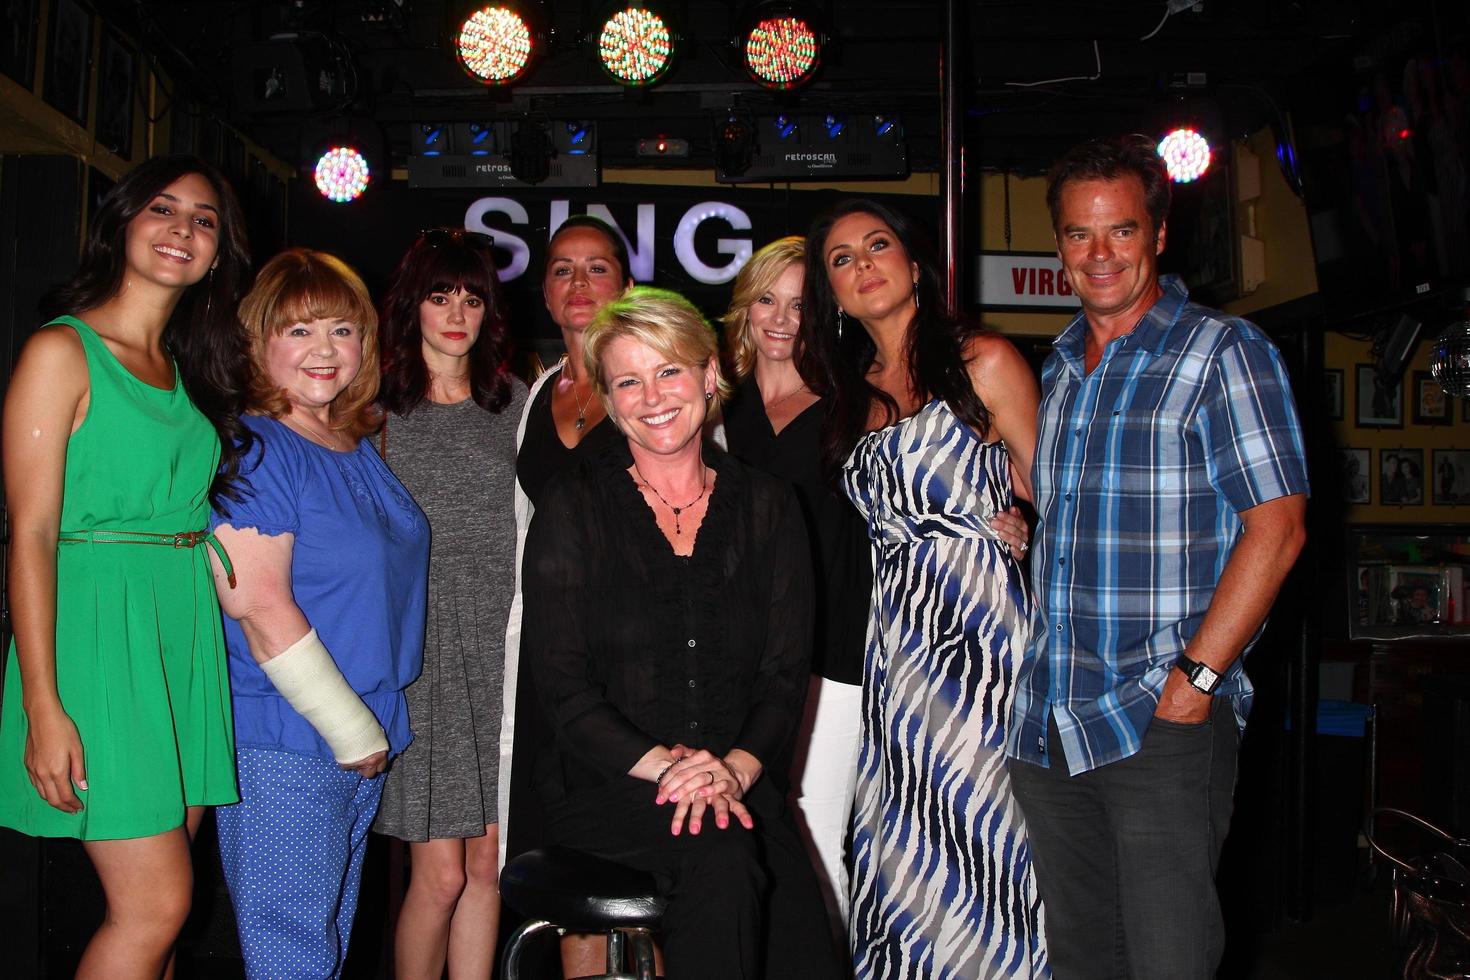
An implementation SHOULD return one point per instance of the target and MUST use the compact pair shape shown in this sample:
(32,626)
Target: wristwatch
(1201,676)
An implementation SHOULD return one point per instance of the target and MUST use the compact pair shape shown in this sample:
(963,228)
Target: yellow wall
(1344,353)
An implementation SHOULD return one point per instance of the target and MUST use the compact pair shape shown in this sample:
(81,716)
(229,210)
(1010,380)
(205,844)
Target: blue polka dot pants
(292,851)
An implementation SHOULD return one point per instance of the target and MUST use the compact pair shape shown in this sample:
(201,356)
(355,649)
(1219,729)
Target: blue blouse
(359,571)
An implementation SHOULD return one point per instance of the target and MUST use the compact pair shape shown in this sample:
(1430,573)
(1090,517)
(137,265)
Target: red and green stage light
(781,48)
(636,44)
(495,44)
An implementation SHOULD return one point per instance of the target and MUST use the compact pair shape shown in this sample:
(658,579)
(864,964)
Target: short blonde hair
(299,286)
(756,279)
(662,320)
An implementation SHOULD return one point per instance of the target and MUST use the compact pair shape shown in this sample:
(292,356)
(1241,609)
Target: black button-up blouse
(633,646)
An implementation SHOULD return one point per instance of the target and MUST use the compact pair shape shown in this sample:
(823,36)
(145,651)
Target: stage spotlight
(786,127)
(495,44)
(342,174)
(885,126)
(530,153)
(835,125)
(636,44)
(780,45)
(430,139)
(476,139)
(734,145)
(1186,155)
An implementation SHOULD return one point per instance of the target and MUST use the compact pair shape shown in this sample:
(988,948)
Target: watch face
(1205,679)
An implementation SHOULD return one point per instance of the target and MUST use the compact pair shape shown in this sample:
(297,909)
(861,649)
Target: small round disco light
(636,45)
(781,52)
(1186,155)
(494,45)
(342,174)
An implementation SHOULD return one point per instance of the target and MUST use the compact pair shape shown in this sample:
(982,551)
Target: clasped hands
(697,781)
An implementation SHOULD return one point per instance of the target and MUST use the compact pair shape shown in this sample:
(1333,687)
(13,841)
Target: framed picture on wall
(116,84)
(18,40)
(1377,407)
(1401,477)
(1431,405)
(1450,477)
(1332,393)
(69,59)
(1356,472)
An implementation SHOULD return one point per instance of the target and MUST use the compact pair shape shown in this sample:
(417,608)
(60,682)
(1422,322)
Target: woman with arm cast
(933,424)
(452,407)
(120,426)
(326,627)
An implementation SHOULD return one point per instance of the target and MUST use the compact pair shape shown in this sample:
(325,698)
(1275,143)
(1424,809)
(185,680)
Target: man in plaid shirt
(1171,485)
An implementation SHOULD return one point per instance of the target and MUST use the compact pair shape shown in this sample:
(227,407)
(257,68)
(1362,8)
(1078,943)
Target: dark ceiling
(1038,76)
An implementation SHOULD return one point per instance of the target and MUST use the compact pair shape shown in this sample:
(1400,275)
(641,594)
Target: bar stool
(570,891)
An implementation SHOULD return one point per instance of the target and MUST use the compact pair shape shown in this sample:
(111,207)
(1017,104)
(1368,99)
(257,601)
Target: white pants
(824,777)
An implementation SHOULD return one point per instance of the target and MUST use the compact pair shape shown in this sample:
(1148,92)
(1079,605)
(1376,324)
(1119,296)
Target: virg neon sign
(641,245)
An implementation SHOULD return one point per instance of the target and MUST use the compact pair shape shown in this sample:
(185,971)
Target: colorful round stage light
(781,52)
(342,174)
(1186,155)
(494,45)
(636,46)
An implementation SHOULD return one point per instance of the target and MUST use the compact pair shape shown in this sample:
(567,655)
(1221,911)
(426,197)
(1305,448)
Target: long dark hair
(838,366)
(442,261)
(202,334)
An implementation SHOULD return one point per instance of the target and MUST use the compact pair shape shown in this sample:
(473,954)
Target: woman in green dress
(115,726)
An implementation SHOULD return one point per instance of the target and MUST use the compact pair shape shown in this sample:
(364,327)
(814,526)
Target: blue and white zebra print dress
(942,883)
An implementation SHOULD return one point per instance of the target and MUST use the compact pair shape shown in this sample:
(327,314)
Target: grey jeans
(1125,855)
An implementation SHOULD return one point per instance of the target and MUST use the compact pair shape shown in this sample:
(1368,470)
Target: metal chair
(569,891)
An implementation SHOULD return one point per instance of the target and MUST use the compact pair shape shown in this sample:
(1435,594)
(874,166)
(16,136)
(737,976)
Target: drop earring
(916,294)
(839,324)
(208,293)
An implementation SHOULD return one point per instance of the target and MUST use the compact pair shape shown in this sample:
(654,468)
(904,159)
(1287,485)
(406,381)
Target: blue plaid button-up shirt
(1142,469)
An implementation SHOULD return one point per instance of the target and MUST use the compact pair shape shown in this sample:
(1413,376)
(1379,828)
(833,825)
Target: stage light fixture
(579,138)
(734,144)
(885,126)
(495,44)
(780,45)
(530,153)
(431,139)
(786,127)
(1186,155)
(476,139)
(835,125)
(636,44)
(342,174)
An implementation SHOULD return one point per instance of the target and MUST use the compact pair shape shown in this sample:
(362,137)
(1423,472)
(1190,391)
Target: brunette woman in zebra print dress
(931,424)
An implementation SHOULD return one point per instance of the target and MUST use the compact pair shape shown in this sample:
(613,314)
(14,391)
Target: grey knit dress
(458,461)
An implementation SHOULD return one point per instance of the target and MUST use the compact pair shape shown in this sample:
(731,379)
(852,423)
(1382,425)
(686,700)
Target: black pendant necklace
(581,408)
(703,486)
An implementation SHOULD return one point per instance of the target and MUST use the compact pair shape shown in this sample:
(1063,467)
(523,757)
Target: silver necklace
(703,486)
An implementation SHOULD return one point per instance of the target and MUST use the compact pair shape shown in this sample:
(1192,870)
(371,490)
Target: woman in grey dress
(452,409)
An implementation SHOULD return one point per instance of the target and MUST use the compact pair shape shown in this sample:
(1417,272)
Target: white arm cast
(309,680)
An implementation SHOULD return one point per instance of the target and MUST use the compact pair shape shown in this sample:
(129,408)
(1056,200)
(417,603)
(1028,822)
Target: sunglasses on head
(440,237)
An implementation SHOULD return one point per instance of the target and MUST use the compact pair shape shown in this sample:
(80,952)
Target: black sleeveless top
(841,552)
(543,455)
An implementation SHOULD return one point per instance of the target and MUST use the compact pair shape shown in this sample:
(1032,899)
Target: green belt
(183,539)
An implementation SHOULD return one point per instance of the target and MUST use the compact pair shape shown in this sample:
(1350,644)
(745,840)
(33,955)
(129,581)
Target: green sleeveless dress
(140,658)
